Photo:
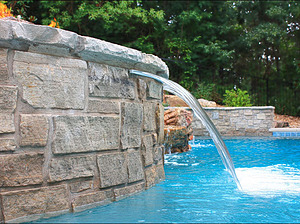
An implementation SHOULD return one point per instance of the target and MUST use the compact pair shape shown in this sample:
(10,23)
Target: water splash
(199,112)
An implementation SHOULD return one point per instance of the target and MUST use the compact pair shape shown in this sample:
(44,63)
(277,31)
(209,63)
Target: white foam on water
(269,181)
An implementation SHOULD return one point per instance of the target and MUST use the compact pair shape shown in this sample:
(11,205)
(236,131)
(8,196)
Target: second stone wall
(237,121)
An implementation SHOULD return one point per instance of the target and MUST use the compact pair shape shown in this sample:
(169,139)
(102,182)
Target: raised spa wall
(76,129)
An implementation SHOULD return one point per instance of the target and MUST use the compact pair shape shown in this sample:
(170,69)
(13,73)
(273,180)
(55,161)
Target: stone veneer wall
(238,121)
(76,129)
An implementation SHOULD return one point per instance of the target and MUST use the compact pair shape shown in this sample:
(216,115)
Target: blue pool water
(198,189)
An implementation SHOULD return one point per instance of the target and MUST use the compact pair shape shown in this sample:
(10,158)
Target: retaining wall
(238,121)
(76,129)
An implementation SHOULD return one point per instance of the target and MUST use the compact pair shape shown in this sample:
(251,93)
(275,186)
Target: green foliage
(251,44)
(237,98)
(204,91)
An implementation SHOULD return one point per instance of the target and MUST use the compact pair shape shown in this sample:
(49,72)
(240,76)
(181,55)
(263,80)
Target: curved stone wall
(76,129)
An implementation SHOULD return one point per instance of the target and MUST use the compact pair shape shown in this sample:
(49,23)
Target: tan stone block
(3,65)
(7,123)
(85,134)
(142,88)
(8,98)
(132,118)
(103,106)
(90,198)
(50,81)
(113,169)
(34,201)
(66,168)
(135,166)
(34,130)
(149,116)
(261,116)
(110,82)
(21,169)
(147,150)
(150,173)
(155,90)
(120,193)
(7,145)
(80,186)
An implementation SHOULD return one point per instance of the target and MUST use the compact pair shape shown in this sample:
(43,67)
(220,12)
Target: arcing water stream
(178,90)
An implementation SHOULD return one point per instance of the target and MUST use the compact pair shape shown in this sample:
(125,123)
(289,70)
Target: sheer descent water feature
(178,90)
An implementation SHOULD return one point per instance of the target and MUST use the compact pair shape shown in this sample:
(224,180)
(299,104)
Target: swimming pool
(198,189)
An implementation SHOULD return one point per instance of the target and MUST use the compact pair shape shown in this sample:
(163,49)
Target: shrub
(237,98)
(204,91)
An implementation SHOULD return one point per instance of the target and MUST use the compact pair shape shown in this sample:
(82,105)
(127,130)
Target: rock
(80,186)
(3,65)
(135,166)
(21,169)
(8,98)
(103,106)
(88,199)
(7,145)
(7,123)
(155,90)
(178,130)
(34,130)
(132,118)
(20,203)
(147,150)
(178,117)
(149,116)
(281,124)
(207,103)
(66,168)
(85,134)
(174,101)
(119,193)
(176,139)
(50,81)
(110,82)
(113,169)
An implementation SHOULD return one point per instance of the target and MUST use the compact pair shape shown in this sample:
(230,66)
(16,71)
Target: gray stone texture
(158,153)
(110,82)
(132,118)
(7,144)
(22,203)
(85,134)
(7,123)
(150,116)
(135,166)
(3,65)
(142,89)
(49,40)
(33,130)
(128,190)
(160,123)
(155,90)
(50,81)
(21,169)
(113,169)
(147,150)
(66,168)
(8,101)
(238,121)
(103,106)
(8,98)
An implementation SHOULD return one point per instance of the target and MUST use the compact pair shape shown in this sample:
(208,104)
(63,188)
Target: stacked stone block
(74,132)
(238,121)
